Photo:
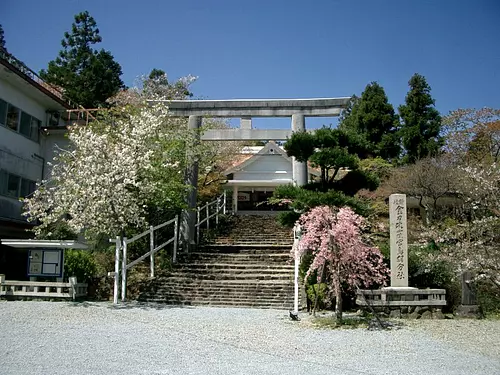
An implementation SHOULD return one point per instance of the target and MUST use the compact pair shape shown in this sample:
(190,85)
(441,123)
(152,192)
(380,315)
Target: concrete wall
(20,155)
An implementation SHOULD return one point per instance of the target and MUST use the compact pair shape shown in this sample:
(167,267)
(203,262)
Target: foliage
(79,263)
(378,167)
(371,118)
(2,40)
(340,257)
(116,167)
(213,157)
(427,269)
(435,182)
(88,76)
(155,86)
(421,126)
(330,150)
(318,292)
(57,231)
(473,135)
(301,199)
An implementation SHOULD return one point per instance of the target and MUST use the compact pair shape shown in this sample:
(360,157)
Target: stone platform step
(261,304)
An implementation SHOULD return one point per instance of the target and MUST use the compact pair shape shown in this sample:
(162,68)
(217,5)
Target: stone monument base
(404,302)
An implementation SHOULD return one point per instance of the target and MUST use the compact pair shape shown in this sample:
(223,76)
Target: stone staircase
(250,266)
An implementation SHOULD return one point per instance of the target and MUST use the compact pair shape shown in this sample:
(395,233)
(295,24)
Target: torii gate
(245,109)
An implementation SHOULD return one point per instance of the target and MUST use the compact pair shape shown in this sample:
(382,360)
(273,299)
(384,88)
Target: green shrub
(426,272)
(321,291)
(488,297)
(80,263)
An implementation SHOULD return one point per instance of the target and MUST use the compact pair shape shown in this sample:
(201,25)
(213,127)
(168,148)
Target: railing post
(198,226)
(124,270)
(296,281)
(208,216)
(72,287)
(2,280)
(217,212)
(117,270)
(176,239)
(151,248)
(224,204)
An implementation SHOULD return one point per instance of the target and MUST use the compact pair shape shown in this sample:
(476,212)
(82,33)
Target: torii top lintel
(314,107)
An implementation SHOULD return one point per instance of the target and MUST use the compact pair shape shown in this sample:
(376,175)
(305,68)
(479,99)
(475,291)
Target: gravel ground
(97,338)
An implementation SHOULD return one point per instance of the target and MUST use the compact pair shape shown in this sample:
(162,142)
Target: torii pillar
(188,218)
(299,169)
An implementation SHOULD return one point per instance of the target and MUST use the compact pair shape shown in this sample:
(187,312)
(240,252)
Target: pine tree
(2,40)
(421,126)
(372,120)
(88,76)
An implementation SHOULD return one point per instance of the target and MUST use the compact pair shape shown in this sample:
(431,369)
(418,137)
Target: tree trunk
(338,297)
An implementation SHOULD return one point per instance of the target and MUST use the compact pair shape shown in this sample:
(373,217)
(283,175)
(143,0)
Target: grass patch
(330,322)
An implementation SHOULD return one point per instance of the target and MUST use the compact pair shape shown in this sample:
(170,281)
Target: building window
(35,128)
(27,187)
(12,117)
(19,121)
(25,127)
(3,111)
(15,186)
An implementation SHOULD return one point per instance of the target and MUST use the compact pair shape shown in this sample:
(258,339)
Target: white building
(253,179)
(32,115)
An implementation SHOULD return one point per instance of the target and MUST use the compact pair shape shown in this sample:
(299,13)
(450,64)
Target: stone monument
(399,240)
(400,300)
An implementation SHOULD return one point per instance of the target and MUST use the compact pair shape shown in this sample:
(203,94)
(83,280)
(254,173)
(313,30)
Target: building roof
(19,75)
(251,155)
(59,244)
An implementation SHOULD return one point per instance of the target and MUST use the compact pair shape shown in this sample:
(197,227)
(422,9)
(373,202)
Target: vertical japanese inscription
(399,242)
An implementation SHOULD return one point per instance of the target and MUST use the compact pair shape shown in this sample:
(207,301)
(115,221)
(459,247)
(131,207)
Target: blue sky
(283,49)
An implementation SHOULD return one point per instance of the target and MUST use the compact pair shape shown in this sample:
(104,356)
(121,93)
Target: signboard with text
(45,262)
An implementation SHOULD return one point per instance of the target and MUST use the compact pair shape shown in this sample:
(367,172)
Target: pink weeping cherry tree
(340,257)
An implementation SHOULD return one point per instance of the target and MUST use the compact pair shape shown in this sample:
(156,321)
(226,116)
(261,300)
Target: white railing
(121,252)
(42,289)
(209,211)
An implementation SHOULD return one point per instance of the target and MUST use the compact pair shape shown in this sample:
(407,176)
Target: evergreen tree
(421,126)
(372,120)
(156,85)
(2,40)
(88,76)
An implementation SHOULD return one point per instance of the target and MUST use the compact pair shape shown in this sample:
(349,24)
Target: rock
(395,314)
(414,315)
(426,315)
(469,311)
(437,314)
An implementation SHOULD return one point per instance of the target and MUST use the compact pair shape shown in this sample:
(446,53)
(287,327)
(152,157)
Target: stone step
(222,276)
(221,297)
(217,295)
(229,303)
(219,283)
(246,249)
(211,258)
(222,285)
(250,267)
(234,267)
